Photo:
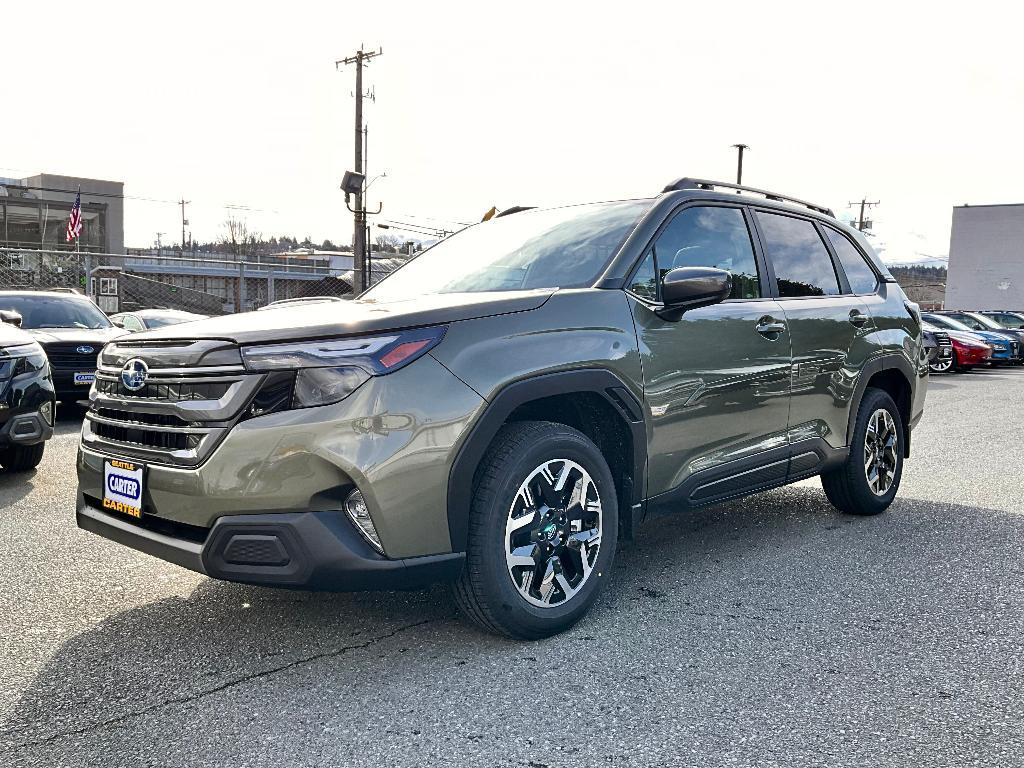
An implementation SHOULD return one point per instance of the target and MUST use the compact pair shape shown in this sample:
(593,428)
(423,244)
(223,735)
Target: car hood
(351,317)
(990,336)
(967,337)
(11,335)
(98,336)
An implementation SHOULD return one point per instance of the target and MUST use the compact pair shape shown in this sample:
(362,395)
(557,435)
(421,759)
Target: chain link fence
(209,284)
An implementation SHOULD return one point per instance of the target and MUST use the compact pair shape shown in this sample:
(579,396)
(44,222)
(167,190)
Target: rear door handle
(769,327)
(857,317)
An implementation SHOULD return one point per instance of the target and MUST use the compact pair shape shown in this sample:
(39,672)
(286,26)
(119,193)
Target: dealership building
(34,213)
(986,258)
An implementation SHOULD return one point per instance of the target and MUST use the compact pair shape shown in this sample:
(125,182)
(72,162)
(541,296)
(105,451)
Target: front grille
(170,392)
(151,419)
(942,339)
(68,356)
(181,413)
(147,438)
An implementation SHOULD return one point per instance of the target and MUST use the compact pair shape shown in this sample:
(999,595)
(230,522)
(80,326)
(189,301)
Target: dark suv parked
(26,399)
(504,407)
(72,330)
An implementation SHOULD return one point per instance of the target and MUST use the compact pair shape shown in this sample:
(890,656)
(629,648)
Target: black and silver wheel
(21,458)
(942,366)
(542,531)
(881,442)
(867,482)
(553,533)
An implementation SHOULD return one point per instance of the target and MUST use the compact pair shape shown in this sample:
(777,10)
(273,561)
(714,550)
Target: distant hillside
(924,285)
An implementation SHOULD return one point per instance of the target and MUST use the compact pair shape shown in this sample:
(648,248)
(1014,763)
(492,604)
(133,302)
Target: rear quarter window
(861,277)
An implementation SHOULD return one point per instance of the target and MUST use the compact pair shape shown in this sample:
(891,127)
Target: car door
(829,327)
(717,380)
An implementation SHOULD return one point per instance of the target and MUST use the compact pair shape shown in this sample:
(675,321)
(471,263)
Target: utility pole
(739,162)
(184,222)
(862,223)
(359,235)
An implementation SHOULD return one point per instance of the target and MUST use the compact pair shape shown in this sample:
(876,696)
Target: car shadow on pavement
(766,569)
(14,486)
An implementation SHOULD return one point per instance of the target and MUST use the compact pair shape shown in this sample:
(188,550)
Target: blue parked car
(1005,346)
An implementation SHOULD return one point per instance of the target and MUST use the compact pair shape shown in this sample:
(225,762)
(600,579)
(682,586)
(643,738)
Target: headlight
(329,370)
(323,386)
(26,358)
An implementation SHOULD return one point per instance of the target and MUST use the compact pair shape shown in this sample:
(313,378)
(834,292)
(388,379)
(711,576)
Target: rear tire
(868,480)
(542,532)
(21,458)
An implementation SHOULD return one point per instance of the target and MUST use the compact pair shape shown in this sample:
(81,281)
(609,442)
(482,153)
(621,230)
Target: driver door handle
(769,327)
(857,317)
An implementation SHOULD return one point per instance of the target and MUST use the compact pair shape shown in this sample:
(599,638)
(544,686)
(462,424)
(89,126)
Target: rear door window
(861,277)
(803,266)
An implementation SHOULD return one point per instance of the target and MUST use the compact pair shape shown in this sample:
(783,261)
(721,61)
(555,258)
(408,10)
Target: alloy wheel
(942,366)
(881,443)
(553,533)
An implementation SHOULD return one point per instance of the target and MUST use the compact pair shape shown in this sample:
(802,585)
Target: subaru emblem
(85,350)
(134,374)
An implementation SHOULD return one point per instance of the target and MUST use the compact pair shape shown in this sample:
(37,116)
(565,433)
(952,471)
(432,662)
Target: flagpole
(78,249)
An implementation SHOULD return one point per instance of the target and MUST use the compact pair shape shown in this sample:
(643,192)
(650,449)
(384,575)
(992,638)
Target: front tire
(943,366)
(542,532)
(21,458)
(868,480)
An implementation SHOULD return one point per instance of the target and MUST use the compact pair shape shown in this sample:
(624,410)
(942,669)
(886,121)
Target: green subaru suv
(504,408)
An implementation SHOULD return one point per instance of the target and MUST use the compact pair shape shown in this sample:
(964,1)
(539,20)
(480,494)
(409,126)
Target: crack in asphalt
(223,687)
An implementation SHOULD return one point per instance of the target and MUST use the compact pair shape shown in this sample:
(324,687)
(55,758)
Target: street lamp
(739,162)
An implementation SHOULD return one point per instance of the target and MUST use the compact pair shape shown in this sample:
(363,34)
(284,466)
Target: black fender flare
(598,380)
(884,362)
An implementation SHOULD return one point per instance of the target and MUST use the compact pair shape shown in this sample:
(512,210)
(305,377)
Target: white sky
(516,103)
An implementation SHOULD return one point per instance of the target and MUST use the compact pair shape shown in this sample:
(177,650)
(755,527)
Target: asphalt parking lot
(768,632)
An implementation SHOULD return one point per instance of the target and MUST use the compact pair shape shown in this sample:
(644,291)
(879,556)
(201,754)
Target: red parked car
(969,351)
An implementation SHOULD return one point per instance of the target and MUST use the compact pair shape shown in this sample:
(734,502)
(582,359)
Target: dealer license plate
(122,487)
(84,379)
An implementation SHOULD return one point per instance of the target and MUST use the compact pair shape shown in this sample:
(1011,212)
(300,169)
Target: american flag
(75,222)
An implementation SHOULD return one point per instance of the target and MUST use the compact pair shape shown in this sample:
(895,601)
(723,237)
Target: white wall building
(986,258)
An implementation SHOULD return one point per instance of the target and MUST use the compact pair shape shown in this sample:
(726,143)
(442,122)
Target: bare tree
(239,238)
(389,243)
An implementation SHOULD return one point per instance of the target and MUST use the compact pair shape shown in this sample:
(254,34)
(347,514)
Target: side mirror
(118,321)
(10,316)
(692,287)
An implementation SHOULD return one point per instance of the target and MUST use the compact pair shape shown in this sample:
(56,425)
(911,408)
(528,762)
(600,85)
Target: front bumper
(21,399)
(307,550)
(394,439)
(25,429)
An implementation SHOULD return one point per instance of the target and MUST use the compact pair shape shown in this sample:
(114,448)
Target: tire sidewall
(511,608)
(873,401)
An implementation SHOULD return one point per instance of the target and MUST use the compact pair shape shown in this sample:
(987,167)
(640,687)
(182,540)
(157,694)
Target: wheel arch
(595,401)
(894,375)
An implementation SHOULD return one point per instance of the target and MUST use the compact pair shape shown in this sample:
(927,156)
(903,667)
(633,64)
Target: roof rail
(688,183)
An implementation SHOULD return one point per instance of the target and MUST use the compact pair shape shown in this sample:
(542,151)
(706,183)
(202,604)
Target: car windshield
(159,321)
(55,312)
(948,323)
(987,322)
(551,248)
